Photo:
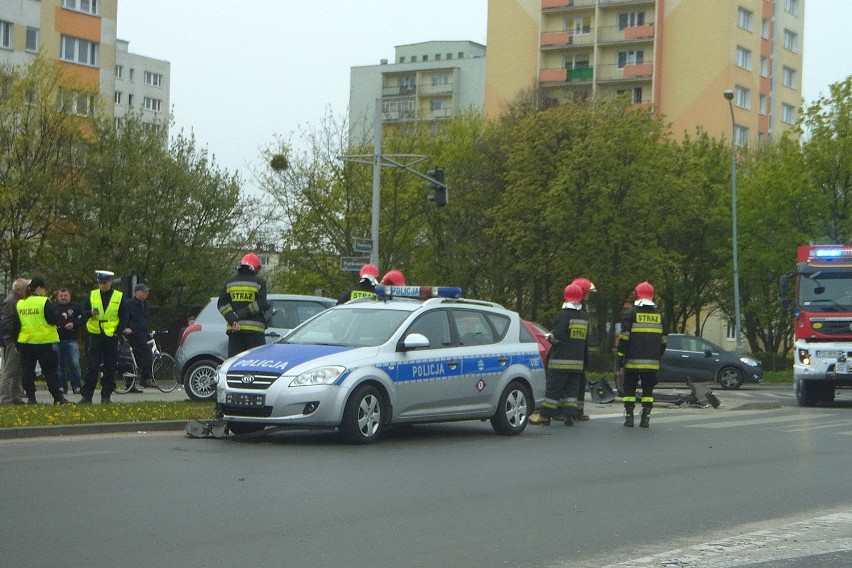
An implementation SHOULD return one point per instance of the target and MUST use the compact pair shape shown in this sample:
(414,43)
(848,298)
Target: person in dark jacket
(641,343)
(366,287)
(243,303)
(136,334)
(105,314)
(35,340)
(70,315)
(566,361)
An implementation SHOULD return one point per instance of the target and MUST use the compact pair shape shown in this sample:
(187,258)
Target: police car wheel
(513,410)
(200,380)
(363,415)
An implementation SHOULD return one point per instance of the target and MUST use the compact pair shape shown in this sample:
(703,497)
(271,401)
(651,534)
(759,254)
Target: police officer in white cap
(105,316)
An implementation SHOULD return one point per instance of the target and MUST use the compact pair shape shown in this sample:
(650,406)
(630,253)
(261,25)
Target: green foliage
(149,411)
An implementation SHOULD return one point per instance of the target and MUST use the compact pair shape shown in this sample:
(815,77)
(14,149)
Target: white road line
(754,422)
(817,426)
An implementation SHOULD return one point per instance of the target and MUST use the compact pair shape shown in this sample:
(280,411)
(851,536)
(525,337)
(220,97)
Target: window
(766,29)
(740,135)
(402,59)
(473,328)
(73,102)
(449,56)
(435,326)
(425,58)
(745,19)
(788,113)
(627,19)
(791,40)
(78,50)
(637,95)
(461,55)
(119,71)
(743,58)
(763,104)
(792,6)
(789,77)
(442,79)
(129,100)
(87,6)
(764,66)
(118,97)
(436,104)
(132,73)
(152,104)
(32,39)
(153,79)
(437,57)
(5,34)
(414,59)
(630,58)
(742,97)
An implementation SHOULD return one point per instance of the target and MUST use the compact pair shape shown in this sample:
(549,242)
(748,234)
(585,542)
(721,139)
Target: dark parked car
(696,359)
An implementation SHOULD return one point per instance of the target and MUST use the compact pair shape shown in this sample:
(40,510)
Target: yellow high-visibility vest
(106,322)
(34,328)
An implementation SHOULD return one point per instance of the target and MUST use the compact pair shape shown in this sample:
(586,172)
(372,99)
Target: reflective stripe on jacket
(34,327)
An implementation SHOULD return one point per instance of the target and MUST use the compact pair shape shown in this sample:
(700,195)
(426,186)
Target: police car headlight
(319,376)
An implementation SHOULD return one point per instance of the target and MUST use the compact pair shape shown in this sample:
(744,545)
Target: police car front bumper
(317,406)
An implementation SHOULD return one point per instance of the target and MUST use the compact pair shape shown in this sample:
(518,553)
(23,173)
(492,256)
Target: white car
(366,364)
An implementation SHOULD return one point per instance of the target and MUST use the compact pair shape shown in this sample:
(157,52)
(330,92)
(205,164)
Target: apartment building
(80,35)
(430,81)
(677,55)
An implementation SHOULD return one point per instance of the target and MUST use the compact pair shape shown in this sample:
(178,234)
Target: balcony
(439,89)
(550,39)
(632,73)
(581,75)
(630,34)
(559,5)
(398,91)
(638,70)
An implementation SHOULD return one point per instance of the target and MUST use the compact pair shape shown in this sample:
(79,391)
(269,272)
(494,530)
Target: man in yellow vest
(104,313)
(35,340)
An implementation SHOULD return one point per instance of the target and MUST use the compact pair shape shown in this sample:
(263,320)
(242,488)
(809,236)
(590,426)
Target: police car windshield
(367,327)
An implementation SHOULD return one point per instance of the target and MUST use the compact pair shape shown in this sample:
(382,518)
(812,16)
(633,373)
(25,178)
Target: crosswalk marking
(754,422)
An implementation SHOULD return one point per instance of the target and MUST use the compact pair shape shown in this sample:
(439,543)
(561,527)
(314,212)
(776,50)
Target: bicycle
(163,367)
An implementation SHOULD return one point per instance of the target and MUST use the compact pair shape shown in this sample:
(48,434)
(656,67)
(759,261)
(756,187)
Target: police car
(410,355)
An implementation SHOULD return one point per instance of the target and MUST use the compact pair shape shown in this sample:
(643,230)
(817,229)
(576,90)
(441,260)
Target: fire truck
(823,322)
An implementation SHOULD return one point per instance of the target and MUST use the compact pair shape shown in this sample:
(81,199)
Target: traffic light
(438,186)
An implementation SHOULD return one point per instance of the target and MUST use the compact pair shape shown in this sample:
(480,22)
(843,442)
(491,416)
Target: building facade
(80,36)
(430,81)
(677,55)
(142,85)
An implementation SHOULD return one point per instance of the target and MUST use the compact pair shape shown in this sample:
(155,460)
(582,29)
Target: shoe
(75,391)
(105,400)
(582,418)
(628,421)
(136,390)
(85,400)
(149,383)
(569,420)
(645,420)
(61,400)
(31,400)
(539,418)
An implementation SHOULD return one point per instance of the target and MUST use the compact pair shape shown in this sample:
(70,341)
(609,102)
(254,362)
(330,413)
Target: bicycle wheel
(164,373)
(124,381)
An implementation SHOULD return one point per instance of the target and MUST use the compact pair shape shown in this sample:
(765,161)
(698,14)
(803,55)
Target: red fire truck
(823,322)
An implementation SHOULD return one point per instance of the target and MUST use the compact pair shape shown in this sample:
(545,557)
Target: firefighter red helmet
(393,278)
(644,291)
(369,270)
(252,261)
(585,284)
(573,293)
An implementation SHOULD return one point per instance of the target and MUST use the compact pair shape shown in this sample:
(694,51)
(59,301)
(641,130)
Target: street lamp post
(729,96)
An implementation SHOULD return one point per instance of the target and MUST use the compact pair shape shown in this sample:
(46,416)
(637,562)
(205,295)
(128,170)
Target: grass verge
(149,411)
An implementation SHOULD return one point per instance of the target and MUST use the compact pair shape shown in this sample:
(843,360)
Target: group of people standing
(641,344)
(38,331)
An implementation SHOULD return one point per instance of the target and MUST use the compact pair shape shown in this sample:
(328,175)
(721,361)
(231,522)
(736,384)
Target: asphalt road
(757,480)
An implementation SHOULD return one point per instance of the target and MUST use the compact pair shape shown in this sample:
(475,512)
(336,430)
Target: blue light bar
(828,253)
(418,291)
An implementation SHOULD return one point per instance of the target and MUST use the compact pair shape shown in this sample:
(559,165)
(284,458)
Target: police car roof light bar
(418,291)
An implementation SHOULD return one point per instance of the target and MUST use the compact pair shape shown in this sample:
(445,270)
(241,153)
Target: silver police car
(415,354)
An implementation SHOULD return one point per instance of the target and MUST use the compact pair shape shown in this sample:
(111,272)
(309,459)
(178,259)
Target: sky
(243,73)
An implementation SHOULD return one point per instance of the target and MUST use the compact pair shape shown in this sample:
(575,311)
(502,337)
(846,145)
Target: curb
(83,429)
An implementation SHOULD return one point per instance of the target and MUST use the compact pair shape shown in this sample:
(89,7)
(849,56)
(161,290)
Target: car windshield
(828,291)
(363,327)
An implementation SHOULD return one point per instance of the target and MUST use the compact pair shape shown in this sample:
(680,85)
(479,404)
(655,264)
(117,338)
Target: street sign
(362,245)
(353,263)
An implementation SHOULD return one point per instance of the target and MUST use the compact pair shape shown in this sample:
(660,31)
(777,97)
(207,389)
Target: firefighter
(566,360)
(36,338)
(641,343)
(243,303)
(368,279)
(394,278)
(587,286)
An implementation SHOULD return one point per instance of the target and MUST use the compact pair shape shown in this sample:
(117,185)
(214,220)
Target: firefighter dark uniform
(566,361)
(35,341)
(366,287)
(243,303)
(105,314)
(587,286)
(641,343)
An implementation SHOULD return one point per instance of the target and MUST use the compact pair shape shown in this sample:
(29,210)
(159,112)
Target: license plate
(244,399)
(841,368)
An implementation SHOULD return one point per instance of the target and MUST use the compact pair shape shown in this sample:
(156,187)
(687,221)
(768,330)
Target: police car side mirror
(414,341)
